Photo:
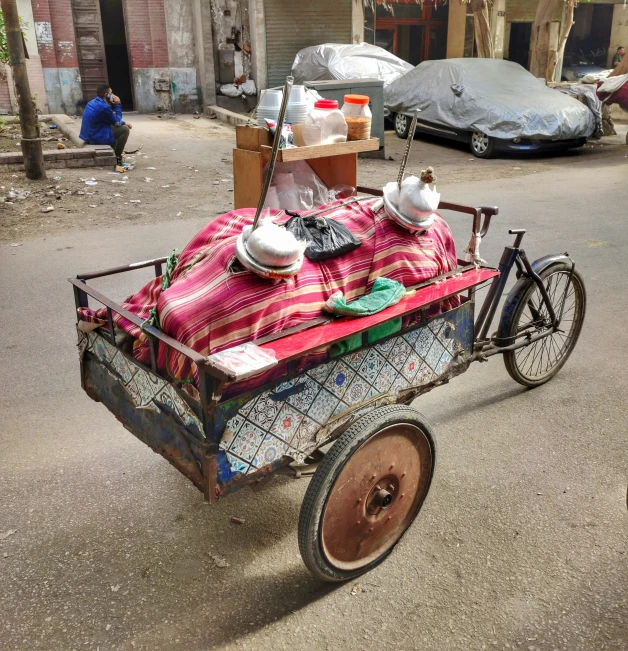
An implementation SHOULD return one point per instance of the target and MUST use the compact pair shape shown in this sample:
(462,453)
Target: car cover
(499,98)
(589,95)
(355,61)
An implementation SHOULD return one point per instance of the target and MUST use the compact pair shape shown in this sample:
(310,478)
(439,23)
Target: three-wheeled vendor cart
(370,484)
(346,422)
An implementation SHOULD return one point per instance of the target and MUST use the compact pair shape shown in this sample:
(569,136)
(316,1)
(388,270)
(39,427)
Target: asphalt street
(521,544)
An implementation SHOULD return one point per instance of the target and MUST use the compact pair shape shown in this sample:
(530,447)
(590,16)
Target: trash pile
(240,86)
(87,187)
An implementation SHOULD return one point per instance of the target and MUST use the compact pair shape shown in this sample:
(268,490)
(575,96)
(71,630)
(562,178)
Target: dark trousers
(121,134)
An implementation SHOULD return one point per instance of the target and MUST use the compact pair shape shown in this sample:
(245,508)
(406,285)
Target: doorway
(519,47)
(102,48)
(116,52)
(590,36)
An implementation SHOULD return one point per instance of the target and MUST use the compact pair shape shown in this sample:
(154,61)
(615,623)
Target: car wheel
(481,145)
(402,125)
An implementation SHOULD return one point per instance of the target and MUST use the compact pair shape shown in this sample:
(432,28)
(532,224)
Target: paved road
(523,541)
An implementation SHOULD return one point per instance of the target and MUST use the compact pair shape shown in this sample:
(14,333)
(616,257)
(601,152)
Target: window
(413,32)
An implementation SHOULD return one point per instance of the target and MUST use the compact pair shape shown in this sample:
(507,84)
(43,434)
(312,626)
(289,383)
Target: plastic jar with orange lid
(358,116)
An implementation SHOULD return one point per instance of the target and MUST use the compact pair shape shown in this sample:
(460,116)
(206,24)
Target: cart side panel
(147,406)
(296,416)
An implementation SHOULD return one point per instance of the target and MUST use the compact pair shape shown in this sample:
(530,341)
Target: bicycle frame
(512,256)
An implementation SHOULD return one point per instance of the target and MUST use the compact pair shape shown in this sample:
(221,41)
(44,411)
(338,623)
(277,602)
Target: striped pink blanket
(212,304)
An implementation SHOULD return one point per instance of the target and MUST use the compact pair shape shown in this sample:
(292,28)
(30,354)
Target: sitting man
(102,122)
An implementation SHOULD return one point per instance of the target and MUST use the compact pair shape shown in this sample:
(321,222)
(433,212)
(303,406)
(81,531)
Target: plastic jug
(325,124)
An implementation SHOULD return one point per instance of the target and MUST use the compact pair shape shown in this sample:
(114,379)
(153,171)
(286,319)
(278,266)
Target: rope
(153,317)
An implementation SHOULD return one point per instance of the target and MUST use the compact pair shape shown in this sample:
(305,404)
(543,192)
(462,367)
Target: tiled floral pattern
(269,427)
(372,365)
(247,441)
(339,379)
(331,391)
(265,411)
(147,391)
(323,406)
(287,423)
(355,359)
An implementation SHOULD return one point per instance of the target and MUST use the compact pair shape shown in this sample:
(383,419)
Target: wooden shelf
(335,164)
(322,151)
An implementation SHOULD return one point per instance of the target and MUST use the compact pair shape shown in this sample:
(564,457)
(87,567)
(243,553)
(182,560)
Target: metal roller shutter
(293,25)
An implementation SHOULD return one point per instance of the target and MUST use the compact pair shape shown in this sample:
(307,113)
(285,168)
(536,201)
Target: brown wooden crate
(247,178)
(252,138)
(336,170)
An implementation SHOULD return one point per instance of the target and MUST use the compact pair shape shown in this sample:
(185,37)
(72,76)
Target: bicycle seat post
(519,232)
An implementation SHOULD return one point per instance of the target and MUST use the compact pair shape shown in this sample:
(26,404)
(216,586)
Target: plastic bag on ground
(326,238)
(248,87)
(231,90)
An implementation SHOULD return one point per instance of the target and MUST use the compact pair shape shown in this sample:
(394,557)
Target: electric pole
(31,144)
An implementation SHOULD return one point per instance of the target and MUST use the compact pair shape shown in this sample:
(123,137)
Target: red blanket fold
(210,307)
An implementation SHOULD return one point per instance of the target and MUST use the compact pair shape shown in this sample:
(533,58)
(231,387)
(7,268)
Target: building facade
(174,55)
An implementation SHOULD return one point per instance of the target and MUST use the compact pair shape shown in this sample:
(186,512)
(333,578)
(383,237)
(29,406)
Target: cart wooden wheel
(366,492)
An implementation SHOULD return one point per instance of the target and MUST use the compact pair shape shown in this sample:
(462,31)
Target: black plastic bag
(326,238)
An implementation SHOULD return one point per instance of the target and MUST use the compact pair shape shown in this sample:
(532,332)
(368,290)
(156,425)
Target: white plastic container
(358,116)
(325,124)
(269,105)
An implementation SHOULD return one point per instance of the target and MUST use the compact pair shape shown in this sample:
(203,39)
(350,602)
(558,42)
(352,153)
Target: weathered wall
(357,21)
(182,55)
(147,41)
(54,30)
(498,27)
(6,102)
(204,45)
(33,63)
(619,30)
(257,25)
(456,29)
(524,11)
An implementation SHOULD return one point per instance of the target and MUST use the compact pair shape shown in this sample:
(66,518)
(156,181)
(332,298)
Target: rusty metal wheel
(366,492)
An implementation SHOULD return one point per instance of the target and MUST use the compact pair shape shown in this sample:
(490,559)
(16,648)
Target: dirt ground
(184,169)
(10,138)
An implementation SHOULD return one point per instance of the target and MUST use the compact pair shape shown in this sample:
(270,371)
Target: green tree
(4,49)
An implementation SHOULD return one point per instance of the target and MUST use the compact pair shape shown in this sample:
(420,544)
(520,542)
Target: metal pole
(31,145)
(406,153)
(273,155)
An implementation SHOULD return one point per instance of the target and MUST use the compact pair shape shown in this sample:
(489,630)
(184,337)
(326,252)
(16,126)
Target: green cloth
(385,292)
(374,334)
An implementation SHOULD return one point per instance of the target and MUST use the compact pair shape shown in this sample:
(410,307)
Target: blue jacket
(98,119)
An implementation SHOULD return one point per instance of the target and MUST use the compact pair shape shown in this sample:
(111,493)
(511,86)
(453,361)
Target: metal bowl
(275,273)
(402,220)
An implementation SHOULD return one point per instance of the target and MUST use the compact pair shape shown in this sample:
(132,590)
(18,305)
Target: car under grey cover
(355,61)
(499,98)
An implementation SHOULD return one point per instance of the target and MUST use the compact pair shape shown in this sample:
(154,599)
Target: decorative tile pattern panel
(265,429)
(147,391)
(291,426)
